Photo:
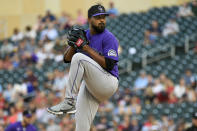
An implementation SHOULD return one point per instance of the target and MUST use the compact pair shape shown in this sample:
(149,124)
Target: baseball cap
(195,115)
(27,113)
(96,10)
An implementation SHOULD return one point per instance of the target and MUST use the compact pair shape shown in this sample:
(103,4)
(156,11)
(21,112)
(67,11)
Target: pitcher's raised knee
(78,57)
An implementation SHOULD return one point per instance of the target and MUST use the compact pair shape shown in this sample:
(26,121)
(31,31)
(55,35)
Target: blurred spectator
(25,57)
(102,126)
(53,126)
(194,84)
(50,33)
(53,98)
(180,126)
(8,93)
(41,98)
(194,123)
(6,48)
(63,18)
(67,124)
(29,33)
(149,95)
(164,122)
(158,87)
(20,90)
(1,64)
(42,115)
(81,20)
(172,99)
(142,81)
(180,89)
(42,55)
(106,108)
(160,92)
(163,79)
(22,47)
(1,128)
(17,35)
(39,24)
(15,61)
(59,47)
(167,123)
(125,125)
(49,81)
(169,86)
(3,117)
(171,125)
(171,27)
(150,80)
(58,58)
(48,47)
(194,7)
(134,106)
(2,101)
(31,46)
(152,33)
(184,10)
(59,81)
(135,124)
(112,10)
(1,89)
(19,106)
(188,77)
(121,109)
(191,95)
(151,124)
(7,64)
(13,115)
(49,16)
(32,79)
(195,48)
(41,127)
(62,32)
(70,22)
(25,124)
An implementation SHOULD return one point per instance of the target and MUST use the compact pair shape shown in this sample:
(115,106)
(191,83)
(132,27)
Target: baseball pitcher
(93,75)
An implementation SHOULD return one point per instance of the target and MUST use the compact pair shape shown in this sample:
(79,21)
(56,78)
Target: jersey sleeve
(110,47)
(9,128)
(34,128)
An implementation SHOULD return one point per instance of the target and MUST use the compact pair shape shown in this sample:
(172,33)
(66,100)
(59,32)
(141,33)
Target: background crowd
(46,40)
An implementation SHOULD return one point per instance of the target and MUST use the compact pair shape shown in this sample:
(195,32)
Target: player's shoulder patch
(112,52)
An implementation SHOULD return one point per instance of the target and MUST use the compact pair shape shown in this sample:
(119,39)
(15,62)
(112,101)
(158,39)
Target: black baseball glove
(77,37)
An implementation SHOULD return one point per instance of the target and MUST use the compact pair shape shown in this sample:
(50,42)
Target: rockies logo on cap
(100,8)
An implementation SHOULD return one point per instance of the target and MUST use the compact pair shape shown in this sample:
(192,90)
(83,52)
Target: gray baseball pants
(92,84)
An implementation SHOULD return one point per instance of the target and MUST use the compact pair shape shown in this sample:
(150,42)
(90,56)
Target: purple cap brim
(100,14)
(28,115)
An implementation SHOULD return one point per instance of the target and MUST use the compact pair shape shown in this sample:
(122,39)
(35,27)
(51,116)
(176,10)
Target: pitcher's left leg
(87,107)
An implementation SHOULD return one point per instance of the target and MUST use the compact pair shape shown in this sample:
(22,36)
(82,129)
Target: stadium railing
(164,51)
(189,42)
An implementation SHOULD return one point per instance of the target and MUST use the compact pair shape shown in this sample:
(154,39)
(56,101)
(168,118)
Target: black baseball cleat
(65,107)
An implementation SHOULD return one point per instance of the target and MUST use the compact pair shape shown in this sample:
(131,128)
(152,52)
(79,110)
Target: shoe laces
(69,101)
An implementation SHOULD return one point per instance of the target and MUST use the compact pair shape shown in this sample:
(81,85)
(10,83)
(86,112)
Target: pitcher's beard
(98,29)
